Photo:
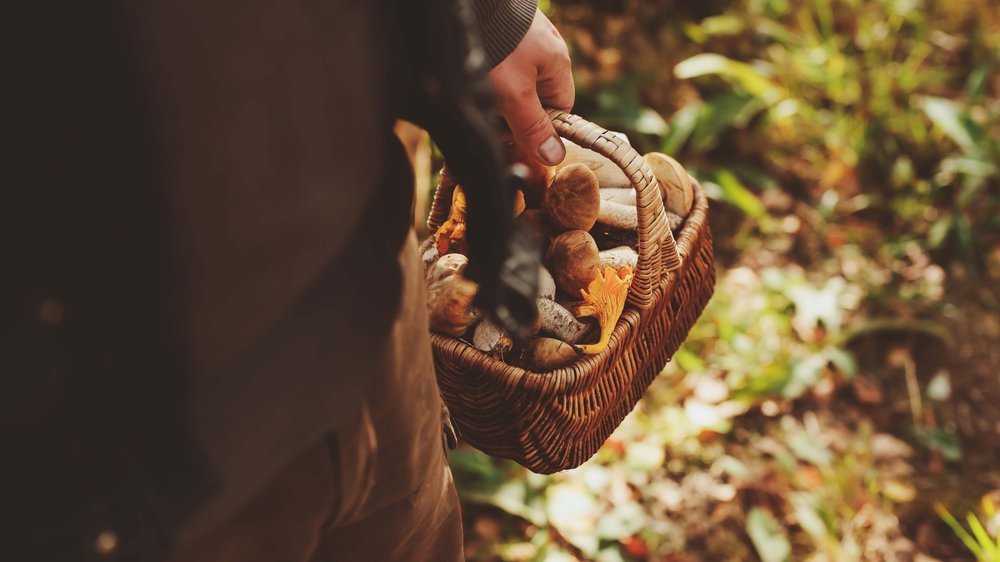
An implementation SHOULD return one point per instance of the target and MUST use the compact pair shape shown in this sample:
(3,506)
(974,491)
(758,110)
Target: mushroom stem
(621,195)
(617,258)
(618,215)
(674,221)
(546,284)
(559,322)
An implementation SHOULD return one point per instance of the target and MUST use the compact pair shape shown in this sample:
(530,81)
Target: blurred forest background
(840,398)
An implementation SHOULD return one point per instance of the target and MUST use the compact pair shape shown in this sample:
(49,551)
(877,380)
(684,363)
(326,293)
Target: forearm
(502,25)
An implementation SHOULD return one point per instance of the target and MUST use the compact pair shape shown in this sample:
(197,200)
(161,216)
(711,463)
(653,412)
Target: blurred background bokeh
(840,398)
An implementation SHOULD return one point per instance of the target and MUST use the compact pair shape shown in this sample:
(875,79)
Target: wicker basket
(557,420)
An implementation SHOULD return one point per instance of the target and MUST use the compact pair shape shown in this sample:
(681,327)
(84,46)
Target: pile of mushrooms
(586,208)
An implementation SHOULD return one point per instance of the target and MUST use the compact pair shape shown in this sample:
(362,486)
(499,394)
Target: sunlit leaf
(650,122)
(625,520)
(732,191)
(574,513)
(749,77)
(806,448)
(768,536)
(948,116)
(807,514)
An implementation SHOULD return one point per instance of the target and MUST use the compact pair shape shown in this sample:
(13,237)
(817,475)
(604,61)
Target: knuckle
(537,129)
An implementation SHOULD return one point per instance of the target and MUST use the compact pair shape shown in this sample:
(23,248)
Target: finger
(555,85)
(531,127)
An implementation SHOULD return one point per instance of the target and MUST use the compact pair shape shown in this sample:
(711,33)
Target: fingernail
(552,151)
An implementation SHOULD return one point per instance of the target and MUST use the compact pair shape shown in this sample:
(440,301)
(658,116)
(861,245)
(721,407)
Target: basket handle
(657,247)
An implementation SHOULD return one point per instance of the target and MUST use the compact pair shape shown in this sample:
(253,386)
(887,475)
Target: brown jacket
(204,254)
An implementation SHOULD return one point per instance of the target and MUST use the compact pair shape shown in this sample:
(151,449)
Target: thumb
(533,129)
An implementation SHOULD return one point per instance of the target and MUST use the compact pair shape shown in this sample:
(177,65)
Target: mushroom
(547,354)
(674,220)
(450,236)
(449,295)
(519,204)
(605,300)
(608,173)
(573,198)
(546,284)
(449,304)
(430,256)
(573,260)
(491,339)
(675,184)
(621,195)
(445,266)
(618,215)
(452,231)
(617,258)
(560,322)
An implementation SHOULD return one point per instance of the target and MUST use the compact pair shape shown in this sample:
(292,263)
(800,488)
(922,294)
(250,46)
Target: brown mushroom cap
(573,260)
(548,354)
(573,199)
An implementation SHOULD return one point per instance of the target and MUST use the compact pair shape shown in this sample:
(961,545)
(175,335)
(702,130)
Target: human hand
(535,75)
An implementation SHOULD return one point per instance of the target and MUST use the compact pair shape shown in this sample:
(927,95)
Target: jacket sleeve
(502,25)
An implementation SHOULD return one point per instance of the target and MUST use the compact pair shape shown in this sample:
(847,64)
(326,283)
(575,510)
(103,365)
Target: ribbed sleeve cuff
(502,25)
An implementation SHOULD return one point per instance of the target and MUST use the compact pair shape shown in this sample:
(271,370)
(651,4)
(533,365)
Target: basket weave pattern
(557,420)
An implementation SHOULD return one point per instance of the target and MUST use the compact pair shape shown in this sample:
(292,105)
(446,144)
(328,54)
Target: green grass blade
(982,537)
(959,531)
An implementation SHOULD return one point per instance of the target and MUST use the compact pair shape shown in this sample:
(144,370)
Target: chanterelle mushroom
(605,300)
(450,236)
(452,230)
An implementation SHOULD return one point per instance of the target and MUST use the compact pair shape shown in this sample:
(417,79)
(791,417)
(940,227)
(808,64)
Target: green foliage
(984,547)
(851,149)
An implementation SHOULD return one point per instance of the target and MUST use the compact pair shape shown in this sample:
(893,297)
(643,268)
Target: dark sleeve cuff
(502,25)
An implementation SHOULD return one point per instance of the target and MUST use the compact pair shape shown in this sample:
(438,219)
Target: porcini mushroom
(617,258)
(573,260)
(449,305)
(604,299)
(573,198)
(546,284)
(491,339)
(445,266)
(547,354)
(675,184)
(608,173)
(560,322)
